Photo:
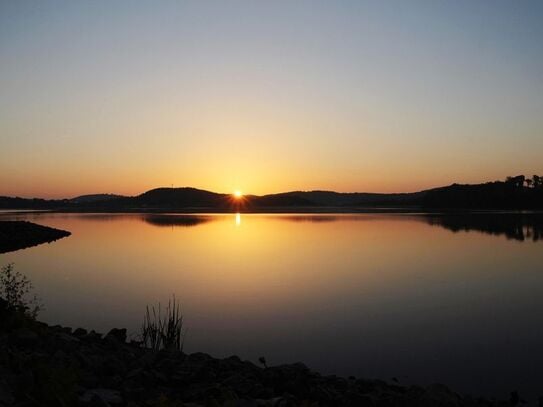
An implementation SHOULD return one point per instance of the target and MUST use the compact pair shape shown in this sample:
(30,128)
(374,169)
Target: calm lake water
(425,299)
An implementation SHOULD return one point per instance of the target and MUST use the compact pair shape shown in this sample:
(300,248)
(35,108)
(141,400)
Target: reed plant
(163,329)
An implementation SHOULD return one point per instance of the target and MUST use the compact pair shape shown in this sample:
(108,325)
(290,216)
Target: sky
(263,97)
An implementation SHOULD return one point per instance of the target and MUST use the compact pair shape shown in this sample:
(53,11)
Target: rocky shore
(15,235)
(59,366)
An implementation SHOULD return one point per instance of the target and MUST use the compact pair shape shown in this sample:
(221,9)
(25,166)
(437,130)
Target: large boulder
(117,334)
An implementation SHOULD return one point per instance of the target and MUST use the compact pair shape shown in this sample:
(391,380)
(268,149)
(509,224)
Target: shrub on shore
(16,289)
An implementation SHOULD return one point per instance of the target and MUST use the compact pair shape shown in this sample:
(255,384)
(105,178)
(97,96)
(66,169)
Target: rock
(134,393)
(159,377)
(101,397)
(98,401)
(88,379)
(83,359)
(262,392)
(134,373)
(440,395)
(118,334)
(147,359)
(240,383)
(6,397)
(515,398)
(92,336)
(24,337)
(3,306)
(66,337)
(60,355)
(25,380)
(242,403)
(80,332)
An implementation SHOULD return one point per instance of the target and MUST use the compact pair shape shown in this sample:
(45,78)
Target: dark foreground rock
(15,235)
(53,365)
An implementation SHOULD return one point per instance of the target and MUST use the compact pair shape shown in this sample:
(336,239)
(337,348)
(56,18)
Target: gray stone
(67,338)
(25,337)
(107,396)
(80,332)
(118,334)
(6,397)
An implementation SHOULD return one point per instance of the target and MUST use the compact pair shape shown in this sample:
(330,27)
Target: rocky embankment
(15,235)
(53,365)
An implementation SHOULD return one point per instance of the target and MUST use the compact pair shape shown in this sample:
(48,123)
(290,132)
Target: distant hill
(181,198)
(510,194)
(94,198)
(338,199)
(287,199)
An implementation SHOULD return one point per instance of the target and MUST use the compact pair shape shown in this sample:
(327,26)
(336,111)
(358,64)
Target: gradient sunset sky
(378,96)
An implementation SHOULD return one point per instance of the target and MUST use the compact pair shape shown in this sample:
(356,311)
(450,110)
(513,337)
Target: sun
(237,194)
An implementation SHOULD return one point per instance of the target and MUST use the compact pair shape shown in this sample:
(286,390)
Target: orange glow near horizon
(269,183)
(351,107)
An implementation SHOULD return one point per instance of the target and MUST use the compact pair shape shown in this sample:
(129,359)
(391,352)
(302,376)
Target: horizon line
(244,194)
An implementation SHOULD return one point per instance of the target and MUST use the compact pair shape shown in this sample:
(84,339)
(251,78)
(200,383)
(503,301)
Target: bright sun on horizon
(237,194)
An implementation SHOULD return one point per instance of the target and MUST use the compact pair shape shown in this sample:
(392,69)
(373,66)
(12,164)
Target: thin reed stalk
(163,330)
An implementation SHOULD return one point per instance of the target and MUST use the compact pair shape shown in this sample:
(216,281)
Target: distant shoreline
(276,210)
(498,195)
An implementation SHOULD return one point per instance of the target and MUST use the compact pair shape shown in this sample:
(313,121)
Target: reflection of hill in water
(176,220)
(359,217)
(311,218)
(519,227)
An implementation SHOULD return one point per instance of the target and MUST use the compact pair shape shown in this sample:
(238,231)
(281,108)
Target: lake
(423,298)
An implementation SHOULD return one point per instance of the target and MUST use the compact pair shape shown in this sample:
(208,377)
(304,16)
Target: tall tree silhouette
(537,181)
(517,181)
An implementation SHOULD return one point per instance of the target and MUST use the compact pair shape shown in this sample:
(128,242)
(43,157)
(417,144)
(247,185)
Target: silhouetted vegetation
(511,194)
(518,181)
(537,181)
(163,330)
(16,291)
(34,203)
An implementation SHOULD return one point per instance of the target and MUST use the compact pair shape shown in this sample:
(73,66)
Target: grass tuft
(163,330)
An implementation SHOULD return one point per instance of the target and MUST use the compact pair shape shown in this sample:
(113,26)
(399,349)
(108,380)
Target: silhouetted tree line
(516,192)
(35,203)
(535,182)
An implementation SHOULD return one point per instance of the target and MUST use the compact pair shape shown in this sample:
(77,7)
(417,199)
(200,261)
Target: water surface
(450,299)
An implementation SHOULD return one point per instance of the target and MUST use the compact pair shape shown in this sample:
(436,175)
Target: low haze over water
(417,297)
